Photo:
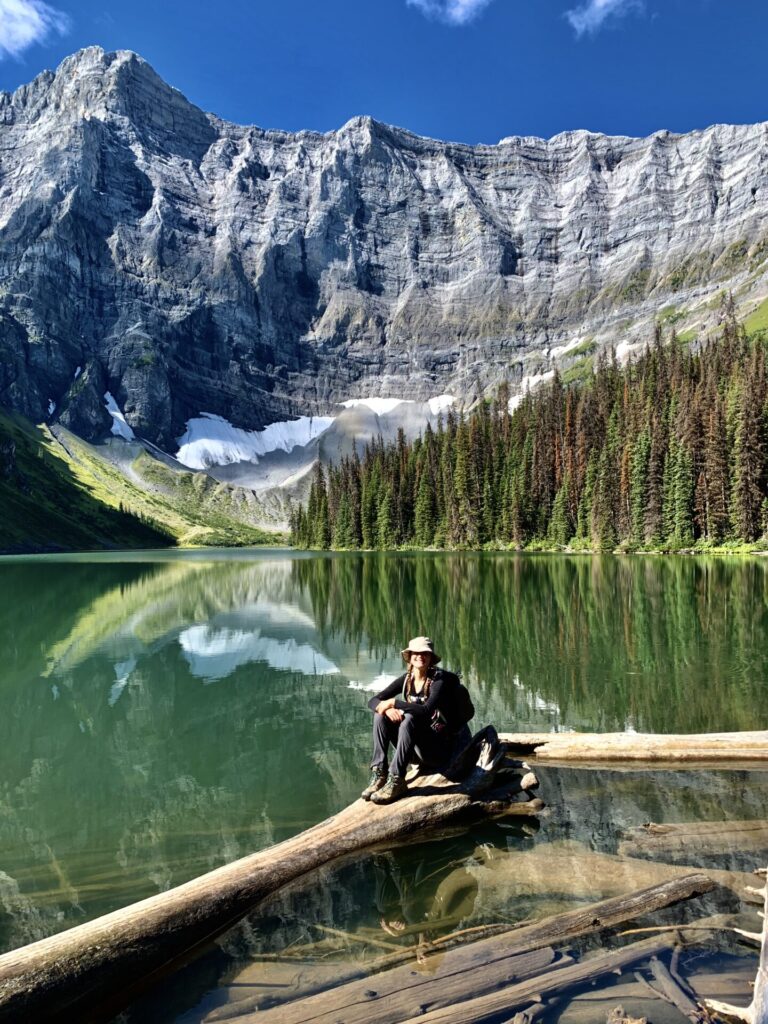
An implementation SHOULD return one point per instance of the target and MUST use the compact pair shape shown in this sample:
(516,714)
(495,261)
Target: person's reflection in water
(425,891)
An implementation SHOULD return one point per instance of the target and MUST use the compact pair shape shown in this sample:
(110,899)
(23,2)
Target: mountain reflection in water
(125,773)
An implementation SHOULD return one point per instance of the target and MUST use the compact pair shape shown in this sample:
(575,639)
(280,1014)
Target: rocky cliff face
(186,264)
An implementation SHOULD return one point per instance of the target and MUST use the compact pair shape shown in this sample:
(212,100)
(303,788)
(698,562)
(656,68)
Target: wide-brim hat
(421,645)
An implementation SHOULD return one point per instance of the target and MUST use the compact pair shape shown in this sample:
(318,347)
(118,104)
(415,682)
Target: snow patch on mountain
(211,440)
(529,384)
(120,426)
(384,406)
(441,404)
(381,406)
(562,350)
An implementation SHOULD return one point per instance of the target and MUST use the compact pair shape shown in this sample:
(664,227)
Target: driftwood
(731,747)
(701,837)
(618,1016)
(757,1011)
(672,991)
(533,1012)
(568,869)
(382,998)
(479,967)
(96,968)
(594,1005)
(554,982)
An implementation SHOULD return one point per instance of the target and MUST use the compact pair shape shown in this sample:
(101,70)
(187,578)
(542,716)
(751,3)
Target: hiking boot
(393,789)
(377,780)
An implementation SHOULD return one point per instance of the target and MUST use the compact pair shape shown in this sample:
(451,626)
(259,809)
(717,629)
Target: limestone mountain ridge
(185,264)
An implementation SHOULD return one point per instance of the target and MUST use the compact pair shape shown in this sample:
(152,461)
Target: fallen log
(570,870)
(593,1005)
(705,838)
(94,969)
(757,1011)
(669,989)
(705,748)
(479,967)
(545,986)
(529,1014)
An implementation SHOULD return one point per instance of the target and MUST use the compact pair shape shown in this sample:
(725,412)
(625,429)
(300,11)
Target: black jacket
(443,695)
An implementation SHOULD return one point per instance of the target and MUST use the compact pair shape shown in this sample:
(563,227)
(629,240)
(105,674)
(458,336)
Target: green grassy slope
(204,503)
(758,320)
(45,507)
(58,493)
(192,507)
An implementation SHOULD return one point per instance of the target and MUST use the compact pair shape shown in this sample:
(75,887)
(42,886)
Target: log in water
(99,966)
(703,748)
(477,968)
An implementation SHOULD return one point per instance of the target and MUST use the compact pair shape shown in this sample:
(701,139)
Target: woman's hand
(394,714)
(385,705)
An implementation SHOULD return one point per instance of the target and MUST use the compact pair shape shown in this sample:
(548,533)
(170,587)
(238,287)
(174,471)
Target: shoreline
(191,549)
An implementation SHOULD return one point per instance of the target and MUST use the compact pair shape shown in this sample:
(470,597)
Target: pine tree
(749,452)
(385,528)
(716,499)
(683,487)
(560,527)
(425,518)
(638,487)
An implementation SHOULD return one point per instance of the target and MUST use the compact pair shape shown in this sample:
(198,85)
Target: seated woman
(423,714)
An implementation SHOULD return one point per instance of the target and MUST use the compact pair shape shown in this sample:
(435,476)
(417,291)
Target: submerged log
(476,968)
(554,982)
(757,1011)
(704,838)
(568,869)
(96,968)
(670,989)
(732,747)
(592,1006)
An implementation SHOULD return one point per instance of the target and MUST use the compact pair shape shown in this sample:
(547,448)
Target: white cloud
(590,16)
(24,22)
(453,12)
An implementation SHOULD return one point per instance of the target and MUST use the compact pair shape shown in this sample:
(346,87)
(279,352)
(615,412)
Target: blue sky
(468,70)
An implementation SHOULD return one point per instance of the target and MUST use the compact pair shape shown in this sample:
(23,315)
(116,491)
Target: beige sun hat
(421,645)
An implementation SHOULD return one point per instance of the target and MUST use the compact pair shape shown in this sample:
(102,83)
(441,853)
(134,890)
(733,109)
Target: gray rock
(196,265)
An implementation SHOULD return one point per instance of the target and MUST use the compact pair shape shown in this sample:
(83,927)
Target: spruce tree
(425,519)
(385,527)
(560,528)
(638,487)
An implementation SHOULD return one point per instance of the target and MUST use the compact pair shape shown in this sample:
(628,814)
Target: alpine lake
(166,713)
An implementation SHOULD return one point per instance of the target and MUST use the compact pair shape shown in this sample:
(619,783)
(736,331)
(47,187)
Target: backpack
(464,708)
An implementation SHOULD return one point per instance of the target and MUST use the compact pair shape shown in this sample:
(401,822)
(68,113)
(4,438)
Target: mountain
(48,506)
(59,493)
(185,265)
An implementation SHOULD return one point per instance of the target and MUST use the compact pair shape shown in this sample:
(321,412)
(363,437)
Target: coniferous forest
(666,452)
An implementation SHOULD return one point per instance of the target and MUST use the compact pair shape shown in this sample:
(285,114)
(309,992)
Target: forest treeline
(663,453)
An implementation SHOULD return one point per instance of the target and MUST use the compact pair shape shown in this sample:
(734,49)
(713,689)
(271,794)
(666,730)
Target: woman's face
(420,661)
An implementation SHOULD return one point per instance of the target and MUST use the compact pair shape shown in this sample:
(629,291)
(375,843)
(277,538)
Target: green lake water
(164,713)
